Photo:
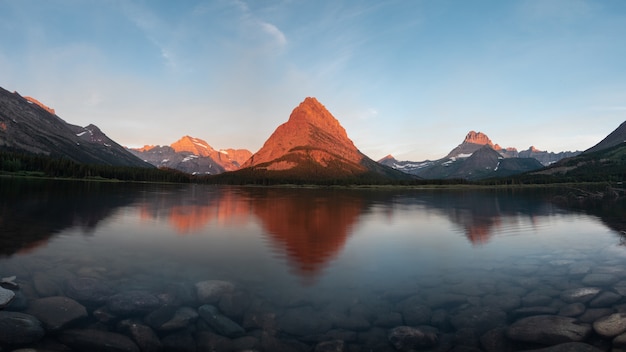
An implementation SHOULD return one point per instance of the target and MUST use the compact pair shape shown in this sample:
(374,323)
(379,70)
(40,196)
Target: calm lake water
(302,269)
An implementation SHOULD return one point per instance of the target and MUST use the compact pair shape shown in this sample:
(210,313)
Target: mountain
(616,137)
(474,141)
(193,156)
(546,158)
(26,125)
(606,161)
(313,146)
(475,158)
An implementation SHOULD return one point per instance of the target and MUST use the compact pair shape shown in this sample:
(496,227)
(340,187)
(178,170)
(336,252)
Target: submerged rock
(143,335)
(211,291)
(88,290)
(132,302)
(57,312)
(406,338)
(568,347)
(611,325)
(219,322)
(303,321)
(548,330)
(581,294)
(97,340)
(19,328)
(6,296)
(481,319)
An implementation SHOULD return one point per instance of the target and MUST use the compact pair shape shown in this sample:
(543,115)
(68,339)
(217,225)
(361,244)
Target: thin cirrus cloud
(528,72)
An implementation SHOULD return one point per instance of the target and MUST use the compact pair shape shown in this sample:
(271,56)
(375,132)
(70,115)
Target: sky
(408,78)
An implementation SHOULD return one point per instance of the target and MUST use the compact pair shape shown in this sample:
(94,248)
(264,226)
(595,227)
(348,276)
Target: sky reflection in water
(300,237)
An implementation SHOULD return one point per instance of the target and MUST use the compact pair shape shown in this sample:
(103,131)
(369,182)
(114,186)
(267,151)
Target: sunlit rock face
(193,155)
(312,144)
(310,127)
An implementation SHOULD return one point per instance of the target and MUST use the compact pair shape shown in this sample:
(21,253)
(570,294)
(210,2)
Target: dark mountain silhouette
(26,125)
(617,137)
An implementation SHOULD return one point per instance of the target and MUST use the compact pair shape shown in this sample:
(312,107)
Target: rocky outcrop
(544,157)
(40,104)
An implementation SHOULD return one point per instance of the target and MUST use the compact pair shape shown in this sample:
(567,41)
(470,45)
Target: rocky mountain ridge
(27,125)
(194,156)
(463,162)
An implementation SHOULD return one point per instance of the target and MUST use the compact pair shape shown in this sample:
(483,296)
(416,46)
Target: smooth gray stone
(572,310)
(481,319)
(132,302)
(611,325)
(6,296)
(88,290)
(548,330)
(211,291)
(221,323)
(581,294)
(57,312)
(605,299)
(595,279)
(529,311)
(568,347)
(406,338)
(143,335)
(97,341)
(19,328)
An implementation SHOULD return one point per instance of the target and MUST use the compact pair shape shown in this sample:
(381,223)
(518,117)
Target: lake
(129,267)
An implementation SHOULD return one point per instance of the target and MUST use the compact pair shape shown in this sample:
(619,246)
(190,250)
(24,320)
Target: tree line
(25,164)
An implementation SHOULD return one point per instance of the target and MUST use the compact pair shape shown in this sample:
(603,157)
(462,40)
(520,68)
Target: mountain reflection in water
(308,227)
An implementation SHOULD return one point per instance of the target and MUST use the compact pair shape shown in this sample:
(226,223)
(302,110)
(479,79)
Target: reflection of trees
(31,211)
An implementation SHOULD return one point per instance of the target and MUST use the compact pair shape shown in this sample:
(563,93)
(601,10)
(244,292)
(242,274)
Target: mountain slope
(312,145)
(475,158)
(29,126)
(618,136)
(606,161)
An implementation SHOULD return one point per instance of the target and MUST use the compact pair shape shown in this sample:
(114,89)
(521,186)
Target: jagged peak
(193,145)
(313,112)
(477,138)
(387,157)
(145,148)
(533,149)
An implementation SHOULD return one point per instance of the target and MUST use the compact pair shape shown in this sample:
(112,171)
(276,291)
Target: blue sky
(409,78)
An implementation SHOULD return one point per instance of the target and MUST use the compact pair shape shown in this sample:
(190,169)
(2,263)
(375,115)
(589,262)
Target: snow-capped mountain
(477,157)
(194,156)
